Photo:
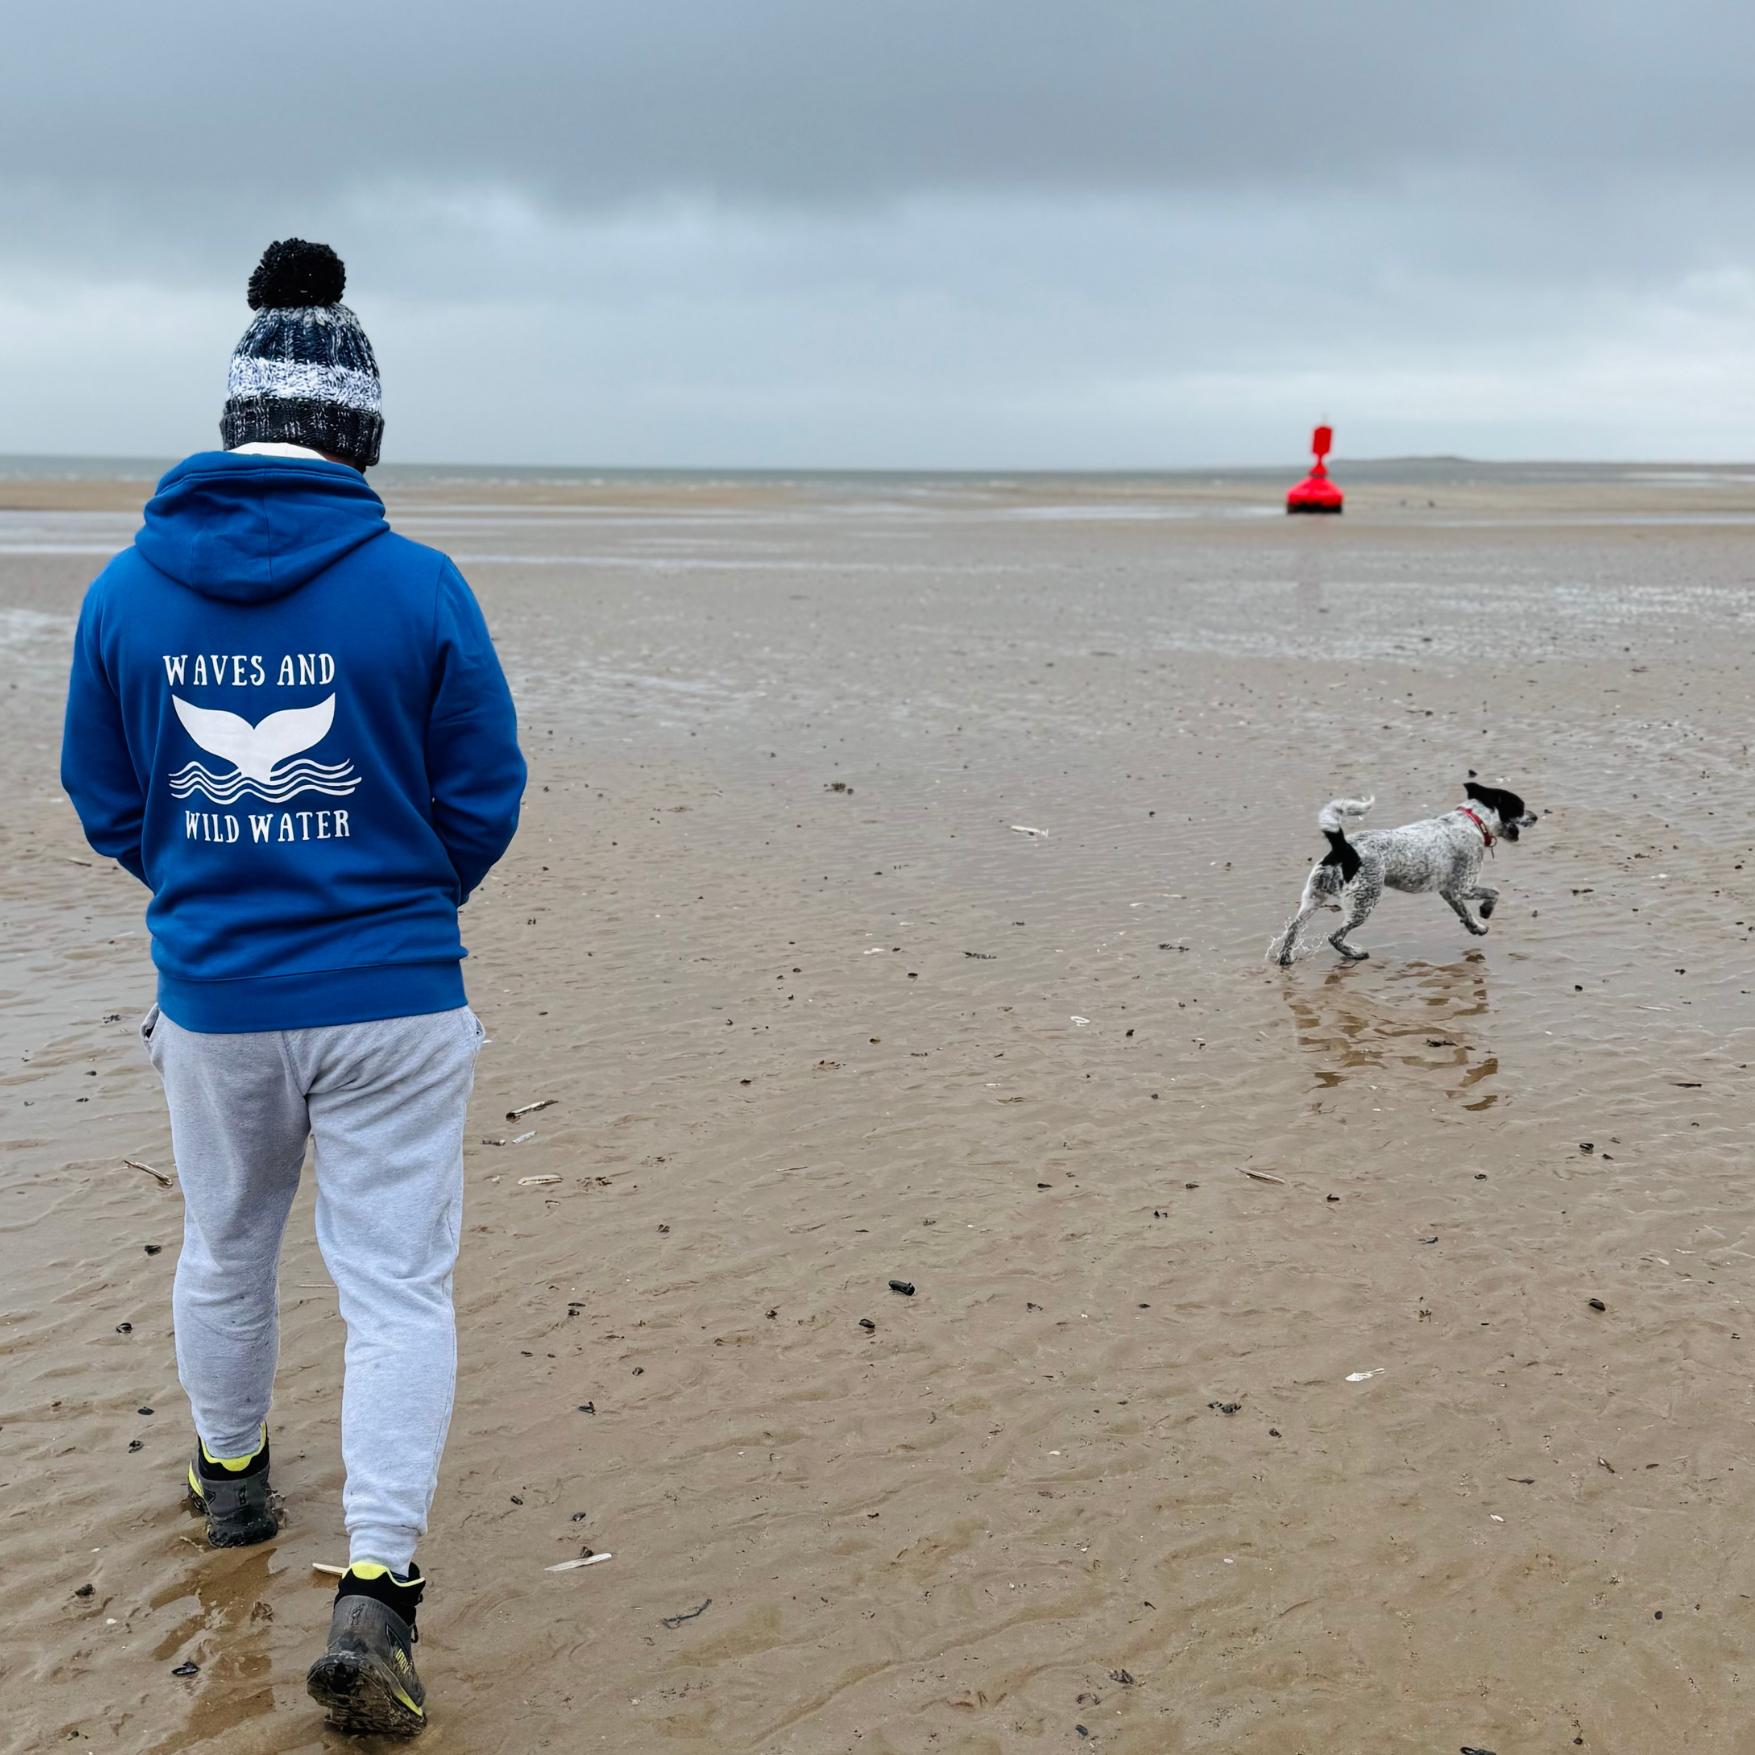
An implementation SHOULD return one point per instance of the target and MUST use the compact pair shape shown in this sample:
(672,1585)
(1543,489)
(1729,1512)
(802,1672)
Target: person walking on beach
(290,724)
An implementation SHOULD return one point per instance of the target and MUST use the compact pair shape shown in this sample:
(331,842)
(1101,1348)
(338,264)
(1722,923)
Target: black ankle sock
(403,1598)
(212,1471)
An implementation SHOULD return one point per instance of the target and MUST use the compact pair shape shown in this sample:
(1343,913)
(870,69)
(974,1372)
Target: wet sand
(812,1014)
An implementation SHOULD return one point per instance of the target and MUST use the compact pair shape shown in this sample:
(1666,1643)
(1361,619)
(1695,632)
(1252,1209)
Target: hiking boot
(366,1679)
(233,1494)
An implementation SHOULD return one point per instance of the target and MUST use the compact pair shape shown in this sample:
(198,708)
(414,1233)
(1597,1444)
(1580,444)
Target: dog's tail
(1330,820)
(1330,817)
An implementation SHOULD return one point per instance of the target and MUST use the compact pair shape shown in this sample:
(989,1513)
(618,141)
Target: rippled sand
(813,1015)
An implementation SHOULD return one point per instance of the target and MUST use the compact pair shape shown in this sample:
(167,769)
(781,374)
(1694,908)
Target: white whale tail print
(256,751)
(256,748)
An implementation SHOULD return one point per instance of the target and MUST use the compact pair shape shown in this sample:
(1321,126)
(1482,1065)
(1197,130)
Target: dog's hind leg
(1367,893)
(1489,899)
(1318,895)
(1460,904)
(1290,943)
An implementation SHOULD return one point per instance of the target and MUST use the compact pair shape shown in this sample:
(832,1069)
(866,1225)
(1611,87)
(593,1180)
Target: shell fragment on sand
(328,1571)
(1025,829)
(531,1108)
(1364,1376)
(1263,1176)
(536,1181)
(574,1565)
(158,1176)
(518,1139)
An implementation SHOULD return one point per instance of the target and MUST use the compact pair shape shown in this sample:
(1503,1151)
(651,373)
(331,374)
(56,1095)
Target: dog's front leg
(1487,898)
(1462,912)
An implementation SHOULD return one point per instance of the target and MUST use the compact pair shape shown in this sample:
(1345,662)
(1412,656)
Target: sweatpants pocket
(148,1025)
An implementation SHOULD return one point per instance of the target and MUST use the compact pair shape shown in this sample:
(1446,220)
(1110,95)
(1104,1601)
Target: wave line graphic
(333,780)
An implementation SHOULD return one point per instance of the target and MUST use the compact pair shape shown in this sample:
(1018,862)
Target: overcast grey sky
(955,233)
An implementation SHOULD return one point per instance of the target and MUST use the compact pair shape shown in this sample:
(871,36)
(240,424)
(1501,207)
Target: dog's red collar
(1486,837)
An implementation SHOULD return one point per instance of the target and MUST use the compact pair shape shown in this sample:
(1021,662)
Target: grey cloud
(949,331)
(822,101)
(934,232)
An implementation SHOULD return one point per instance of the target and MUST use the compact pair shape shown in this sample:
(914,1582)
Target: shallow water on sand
(814,1014)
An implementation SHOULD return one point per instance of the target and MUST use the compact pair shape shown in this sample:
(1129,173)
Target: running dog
(1442,854)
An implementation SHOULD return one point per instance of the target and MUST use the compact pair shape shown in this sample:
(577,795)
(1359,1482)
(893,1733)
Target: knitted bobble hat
(304,374)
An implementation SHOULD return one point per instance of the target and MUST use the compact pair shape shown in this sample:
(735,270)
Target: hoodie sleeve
(473,762)
(97,769)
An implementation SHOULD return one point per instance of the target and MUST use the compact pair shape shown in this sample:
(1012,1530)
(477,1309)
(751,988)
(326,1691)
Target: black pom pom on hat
(293,273)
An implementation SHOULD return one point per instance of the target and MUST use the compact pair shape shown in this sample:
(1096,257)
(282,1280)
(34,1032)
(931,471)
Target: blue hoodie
(289,722)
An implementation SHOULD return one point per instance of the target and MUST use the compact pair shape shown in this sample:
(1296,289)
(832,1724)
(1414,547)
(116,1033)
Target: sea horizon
(1369,471)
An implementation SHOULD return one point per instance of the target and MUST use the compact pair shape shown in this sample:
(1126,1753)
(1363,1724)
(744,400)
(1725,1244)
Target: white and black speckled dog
(1442,854)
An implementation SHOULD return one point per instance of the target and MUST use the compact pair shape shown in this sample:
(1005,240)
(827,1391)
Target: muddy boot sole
(362,1697)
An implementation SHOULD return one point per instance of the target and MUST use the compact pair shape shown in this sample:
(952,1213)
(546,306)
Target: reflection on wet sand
(1417,1014)
(226,1632)
(1309,575)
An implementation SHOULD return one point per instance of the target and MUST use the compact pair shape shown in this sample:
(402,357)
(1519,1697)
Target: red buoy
(1316,493)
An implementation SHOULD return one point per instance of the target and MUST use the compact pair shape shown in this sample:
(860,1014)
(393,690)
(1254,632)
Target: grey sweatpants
(384,1103)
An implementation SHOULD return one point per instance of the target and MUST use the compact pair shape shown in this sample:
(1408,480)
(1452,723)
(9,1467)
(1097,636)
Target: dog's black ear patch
(1507,804)
(1341,852)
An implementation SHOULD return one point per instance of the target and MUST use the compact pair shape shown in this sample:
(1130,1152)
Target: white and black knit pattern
(304,373)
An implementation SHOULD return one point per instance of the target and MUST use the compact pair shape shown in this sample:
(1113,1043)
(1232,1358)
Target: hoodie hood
(251,529)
